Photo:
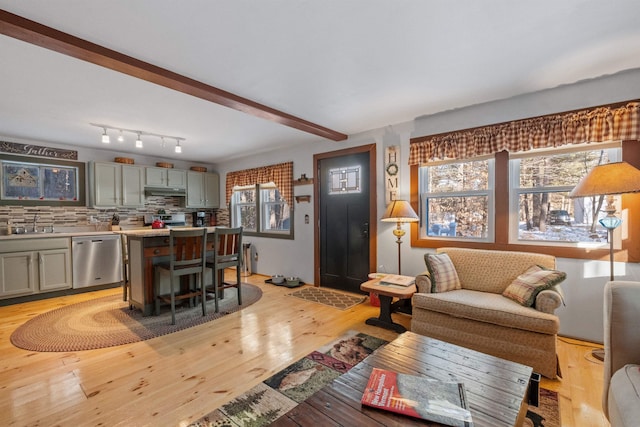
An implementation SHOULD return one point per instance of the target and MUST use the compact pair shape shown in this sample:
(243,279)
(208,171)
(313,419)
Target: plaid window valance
(587,126)
(280,174)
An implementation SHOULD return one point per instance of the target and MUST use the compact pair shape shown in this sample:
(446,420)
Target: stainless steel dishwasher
(97,260)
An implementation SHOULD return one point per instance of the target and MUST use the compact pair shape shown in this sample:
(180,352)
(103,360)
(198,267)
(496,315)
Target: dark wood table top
(496,388)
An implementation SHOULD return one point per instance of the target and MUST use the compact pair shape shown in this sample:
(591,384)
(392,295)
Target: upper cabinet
(203,190)
(165,177)
(115,184)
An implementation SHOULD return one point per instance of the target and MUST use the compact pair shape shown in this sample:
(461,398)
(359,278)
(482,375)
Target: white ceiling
(348,65)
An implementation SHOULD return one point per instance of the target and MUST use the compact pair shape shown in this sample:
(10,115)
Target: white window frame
(261,208)
(615,154)
(489,193)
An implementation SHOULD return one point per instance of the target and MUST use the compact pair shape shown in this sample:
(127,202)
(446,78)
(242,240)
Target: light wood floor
(176,379)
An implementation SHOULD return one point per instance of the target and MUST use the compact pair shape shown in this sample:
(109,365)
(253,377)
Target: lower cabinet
(29,266)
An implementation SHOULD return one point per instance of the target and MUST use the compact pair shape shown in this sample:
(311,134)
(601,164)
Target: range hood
(165,191)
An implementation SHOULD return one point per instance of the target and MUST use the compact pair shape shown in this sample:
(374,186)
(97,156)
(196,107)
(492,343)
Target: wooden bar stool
(187,252)
(227,252)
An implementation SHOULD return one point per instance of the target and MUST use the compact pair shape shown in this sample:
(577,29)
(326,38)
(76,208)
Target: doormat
(277,395)
(108,321)
(332,299)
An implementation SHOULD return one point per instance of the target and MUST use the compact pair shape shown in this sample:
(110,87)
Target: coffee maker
(199,218)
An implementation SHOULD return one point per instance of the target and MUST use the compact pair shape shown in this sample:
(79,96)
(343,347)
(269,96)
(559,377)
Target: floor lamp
(399,211)
(608,180)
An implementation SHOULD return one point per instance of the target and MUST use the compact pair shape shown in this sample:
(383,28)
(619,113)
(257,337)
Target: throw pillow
(443,273)
(526,287)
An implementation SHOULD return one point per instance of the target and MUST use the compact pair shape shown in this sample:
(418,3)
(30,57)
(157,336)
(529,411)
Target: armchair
(621,387)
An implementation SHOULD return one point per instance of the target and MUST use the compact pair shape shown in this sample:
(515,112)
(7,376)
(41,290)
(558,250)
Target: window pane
(467,176)
(275,212)
(244,202)
(553,216)
(559,170)
(465,216)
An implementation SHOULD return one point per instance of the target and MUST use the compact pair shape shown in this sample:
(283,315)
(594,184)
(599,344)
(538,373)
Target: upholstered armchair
(621,391)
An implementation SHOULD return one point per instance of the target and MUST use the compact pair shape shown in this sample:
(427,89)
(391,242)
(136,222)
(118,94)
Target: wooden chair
(227,252)
(187,252)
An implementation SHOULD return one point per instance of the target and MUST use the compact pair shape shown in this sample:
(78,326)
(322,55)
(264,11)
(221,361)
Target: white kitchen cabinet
(165,177)
(203,190)
(115,184)
(30,266)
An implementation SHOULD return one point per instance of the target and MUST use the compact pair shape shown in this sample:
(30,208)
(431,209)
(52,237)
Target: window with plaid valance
(280,174)
(586,126)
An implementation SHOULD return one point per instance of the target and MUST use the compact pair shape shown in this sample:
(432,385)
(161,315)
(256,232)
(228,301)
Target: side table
(386,294)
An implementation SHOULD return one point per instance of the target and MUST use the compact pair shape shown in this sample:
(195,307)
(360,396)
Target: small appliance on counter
(199,219)
(164,220)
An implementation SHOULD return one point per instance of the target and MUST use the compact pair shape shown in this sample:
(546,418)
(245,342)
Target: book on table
(397,279)
(443,402)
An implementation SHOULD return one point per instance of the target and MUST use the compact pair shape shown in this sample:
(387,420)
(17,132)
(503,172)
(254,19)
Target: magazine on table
(443,402)
(397,279)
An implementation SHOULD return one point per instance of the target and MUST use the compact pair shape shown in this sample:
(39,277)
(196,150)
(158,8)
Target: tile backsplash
(100,219)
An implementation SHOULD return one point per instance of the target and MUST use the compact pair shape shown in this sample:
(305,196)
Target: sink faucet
(36,217)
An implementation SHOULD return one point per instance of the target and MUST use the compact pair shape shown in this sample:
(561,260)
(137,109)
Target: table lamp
(399,211)
(608,180)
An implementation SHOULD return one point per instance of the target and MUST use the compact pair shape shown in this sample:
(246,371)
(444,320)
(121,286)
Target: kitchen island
(147,248)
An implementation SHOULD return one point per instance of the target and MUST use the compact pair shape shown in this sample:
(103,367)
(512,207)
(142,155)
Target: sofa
(621,386)
(476,314)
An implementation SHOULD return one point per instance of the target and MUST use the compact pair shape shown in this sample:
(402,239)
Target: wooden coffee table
(496,388)
(387,293)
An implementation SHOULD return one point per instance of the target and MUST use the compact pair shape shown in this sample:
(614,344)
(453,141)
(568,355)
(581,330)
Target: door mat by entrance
(277,395)
(333,299)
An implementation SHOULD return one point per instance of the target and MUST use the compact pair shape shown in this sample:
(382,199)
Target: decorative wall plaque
(391,173)
(37,150)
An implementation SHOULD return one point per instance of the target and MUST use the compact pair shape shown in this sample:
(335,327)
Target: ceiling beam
(32,32)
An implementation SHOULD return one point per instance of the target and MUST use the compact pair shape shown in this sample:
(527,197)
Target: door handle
(365,230)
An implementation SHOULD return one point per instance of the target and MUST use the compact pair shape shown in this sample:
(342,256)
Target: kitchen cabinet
(30,266)
(165,177)
(115,184)
(203,190)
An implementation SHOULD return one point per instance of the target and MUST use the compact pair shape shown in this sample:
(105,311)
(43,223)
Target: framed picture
(30,181)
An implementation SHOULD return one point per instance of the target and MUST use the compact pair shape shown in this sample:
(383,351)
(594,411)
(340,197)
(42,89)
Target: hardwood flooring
(175,379)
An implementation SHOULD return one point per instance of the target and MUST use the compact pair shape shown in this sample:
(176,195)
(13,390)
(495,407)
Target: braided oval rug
(108,321)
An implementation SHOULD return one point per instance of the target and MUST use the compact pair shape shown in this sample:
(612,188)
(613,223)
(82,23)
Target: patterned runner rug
(272,398)
(108,321)
(334,299)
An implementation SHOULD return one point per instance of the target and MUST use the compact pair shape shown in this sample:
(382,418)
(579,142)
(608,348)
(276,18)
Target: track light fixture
(105,138)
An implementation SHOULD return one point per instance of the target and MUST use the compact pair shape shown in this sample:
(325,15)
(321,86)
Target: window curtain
(280,174)
(600,124)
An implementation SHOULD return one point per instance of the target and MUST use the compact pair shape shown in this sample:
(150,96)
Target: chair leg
(173,302)
(216,278)
(203,294)
(238,284)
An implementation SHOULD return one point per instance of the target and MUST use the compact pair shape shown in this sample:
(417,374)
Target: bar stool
(187,256)
(227,252)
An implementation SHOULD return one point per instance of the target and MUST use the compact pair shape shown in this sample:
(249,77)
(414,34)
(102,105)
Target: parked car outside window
(559,217)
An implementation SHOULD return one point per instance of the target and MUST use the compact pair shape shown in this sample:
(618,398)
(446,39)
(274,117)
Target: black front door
(344,220)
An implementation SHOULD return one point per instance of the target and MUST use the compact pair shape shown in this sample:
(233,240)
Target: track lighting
(106,139)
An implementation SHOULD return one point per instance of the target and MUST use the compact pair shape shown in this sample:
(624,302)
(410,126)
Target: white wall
(582,316)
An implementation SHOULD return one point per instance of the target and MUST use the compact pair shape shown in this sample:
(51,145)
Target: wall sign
(391,173)
(37,150)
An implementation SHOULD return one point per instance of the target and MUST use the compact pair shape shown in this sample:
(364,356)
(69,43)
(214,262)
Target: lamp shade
(399,211)
(610,178)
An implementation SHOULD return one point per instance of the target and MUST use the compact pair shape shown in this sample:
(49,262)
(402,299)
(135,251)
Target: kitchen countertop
(141,232)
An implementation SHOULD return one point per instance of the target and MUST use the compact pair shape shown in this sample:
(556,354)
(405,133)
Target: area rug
(332,299)
(277,395)
(108,321)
